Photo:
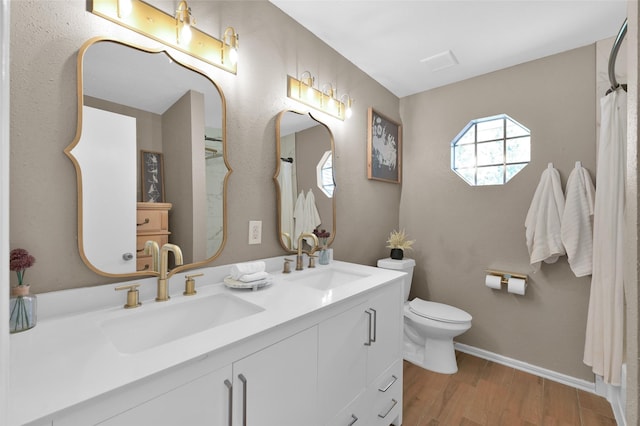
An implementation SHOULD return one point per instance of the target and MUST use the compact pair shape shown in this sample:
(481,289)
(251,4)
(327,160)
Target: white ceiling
(389,39)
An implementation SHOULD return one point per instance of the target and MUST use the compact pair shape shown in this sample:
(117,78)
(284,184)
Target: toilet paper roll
(517,286)
(493,281)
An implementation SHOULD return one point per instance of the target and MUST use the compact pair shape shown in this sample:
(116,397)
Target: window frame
(504,140)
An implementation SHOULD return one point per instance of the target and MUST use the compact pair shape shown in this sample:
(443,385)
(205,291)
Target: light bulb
(185,34)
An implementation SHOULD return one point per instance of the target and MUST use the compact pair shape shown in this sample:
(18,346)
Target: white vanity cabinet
(359,354)
(274,386)
(278,385)
(332,362)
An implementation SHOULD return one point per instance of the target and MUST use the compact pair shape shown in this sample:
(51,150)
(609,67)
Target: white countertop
(67,359)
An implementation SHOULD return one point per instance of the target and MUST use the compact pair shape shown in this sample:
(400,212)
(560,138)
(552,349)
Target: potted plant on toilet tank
(398,243)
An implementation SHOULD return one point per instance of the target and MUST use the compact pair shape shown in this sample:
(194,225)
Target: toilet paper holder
(505,275)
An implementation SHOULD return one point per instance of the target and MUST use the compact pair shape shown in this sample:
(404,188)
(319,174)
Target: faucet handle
(133,295)
(312,260)
(287,266)
(190,284)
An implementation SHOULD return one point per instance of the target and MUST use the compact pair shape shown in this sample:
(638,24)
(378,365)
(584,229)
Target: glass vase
(323,257)
(22,309)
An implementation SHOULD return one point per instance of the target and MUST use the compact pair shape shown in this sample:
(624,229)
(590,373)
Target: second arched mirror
(304,178)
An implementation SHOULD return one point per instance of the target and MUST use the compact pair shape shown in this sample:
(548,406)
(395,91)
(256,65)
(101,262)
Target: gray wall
(461,230)
(45,38)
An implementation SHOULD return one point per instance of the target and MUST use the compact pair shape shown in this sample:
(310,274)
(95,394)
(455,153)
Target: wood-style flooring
(489,394)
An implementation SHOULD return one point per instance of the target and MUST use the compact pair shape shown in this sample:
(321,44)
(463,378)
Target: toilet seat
(438,311)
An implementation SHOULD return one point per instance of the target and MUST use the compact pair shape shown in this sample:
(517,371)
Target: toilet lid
(438,311)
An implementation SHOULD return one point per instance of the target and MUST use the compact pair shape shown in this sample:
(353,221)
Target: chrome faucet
(315,246)
(163,285)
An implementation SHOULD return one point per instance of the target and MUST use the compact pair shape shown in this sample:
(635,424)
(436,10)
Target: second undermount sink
(144,329)
(326,279)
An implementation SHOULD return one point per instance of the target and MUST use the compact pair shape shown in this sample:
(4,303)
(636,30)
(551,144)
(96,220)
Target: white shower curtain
(605,322)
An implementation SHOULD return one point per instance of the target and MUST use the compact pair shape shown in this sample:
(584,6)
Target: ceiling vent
(440,61)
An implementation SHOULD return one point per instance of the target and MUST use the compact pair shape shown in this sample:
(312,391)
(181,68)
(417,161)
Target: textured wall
(462,230)
(45,38)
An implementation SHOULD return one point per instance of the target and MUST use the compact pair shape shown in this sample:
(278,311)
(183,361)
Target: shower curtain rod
(612,59)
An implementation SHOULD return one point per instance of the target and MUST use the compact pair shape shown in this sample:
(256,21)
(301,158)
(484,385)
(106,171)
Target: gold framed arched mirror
(304,178)
(150,158)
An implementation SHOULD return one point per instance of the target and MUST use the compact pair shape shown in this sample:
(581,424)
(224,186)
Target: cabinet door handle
(375,324)
(353,421)
(244,398)
(229,386)
(146,220)
(393,404)
(386,387)
(368,342)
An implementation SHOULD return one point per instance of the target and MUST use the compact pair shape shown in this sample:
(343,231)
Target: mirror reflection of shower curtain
(286,194)
(604,346)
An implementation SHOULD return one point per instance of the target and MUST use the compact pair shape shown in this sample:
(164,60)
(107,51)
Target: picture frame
(152,176)
(384,148)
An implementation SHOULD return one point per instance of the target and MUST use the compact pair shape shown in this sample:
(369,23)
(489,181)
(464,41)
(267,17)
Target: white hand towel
(240,269)
(577,221)
(543,221)
(311,216)
(298,217)
(256,276)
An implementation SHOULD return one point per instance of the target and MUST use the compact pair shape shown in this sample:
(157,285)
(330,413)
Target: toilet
(429,327)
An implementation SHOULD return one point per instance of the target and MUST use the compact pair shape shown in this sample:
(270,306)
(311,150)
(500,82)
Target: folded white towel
(256,276)
(240,269)
(577,221)
(543,221)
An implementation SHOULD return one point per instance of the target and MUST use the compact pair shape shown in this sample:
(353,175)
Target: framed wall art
(384,148)
(152,175)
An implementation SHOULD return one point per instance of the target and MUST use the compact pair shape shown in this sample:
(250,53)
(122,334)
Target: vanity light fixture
(232,46)
(324,100)
(346,103)
(183,23)
(172,30)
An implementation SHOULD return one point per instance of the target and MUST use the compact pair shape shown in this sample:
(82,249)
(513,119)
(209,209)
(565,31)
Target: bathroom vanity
(318,347)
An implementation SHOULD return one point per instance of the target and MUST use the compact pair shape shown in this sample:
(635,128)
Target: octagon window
(491,150)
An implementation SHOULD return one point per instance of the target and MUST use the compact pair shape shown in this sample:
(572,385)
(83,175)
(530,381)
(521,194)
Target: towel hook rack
(612,59)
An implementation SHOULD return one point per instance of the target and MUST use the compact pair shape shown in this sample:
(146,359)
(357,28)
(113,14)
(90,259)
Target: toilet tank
(404,265)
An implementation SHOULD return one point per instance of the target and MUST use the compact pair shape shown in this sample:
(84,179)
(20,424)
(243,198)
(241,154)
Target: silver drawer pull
(229,386)
(244,398)
(369,340)
(393,404)
(353,421)
(386,387)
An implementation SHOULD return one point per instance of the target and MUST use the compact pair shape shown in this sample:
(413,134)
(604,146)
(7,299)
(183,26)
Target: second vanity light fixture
(324,99)
(175,30)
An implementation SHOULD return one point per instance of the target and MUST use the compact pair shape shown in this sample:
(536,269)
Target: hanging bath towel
(577,221)
(542,225)
(603,346)
(311,215)
(298,216)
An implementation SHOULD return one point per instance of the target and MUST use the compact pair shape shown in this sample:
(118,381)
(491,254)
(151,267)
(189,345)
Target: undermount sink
(326,279)
(144,329)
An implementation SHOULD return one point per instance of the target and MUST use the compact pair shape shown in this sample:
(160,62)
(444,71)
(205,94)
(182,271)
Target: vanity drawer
(387,396)
(141,239)
(144,263)
(152,220)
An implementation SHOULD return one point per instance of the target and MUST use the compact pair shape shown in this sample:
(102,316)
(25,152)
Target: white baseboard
(613,394)
(529,368)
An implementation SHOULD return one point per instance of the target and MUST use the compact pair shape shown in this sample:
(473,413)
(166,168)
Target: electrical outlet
(255,232)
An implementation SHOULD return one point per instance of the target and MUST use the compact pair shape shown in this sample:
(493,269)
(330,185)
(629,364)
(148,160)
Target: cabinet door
(342,360)
(203,401)
(278,385)
(388,323)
